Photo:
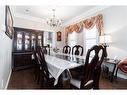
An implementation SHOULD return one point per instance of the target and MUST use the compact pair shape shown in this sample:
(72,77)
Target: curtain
(100,25)
(88,24)
(76,27)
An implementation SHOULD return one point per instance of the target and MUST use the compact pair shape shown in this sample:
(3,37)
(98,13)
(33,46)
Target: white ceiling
(62,12)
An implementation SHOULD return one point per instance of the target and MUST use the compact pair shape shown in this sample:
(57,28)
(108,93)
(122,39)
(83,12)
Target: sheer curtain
(48,38)
(72,39)
(86,38)
(91,37)
(87,32)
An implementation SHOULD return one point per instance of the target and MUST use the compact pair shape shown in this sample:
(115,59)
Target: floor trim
(8,80)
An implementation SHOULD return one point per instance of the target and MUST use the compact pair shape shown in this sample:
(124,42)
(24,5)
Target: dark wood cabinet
(23,42)
(22,60)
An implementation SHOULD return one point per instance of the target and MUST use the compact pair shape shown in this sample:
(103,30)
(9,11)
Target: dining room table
(57,63)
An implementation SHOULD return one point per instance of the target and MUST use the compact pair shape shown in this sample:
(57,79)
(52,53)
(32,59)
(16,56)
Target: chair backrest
(67,49)
(92,66)
(35,58)
(43,63)
(46,49)
(76,50)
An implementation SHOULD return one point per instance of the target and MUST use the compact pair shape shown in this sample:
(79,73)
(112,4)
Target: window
(86,38)
(91,37)
(72,39)
(48,38)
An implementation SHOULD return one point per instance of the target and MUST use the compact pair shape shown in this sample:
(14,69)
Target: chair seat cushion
(76,83)
(88,83)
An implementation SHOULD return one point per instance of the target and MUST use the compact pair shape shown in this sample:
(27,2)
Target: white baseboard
(8,80)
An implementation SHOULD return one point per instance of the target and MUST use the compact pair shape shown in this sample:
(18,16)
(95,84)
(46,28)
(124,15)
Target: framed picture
(58,36)
(9,22)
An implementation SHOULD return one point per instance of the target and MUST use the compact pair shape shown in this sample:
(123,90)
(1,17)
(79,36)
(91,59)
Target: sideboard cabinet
(23,43)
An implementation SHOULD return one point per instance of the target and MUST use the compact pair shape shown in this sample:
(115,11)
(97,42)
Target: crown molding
(73,20)
(87,14)
(28,17)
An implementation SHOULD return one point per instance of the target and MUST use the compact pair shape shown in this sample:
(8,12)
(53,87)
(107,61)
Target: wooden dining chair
(91,71)
(76,50)
(46,49)
(37,68)
(36,65)
(47,80)
(76,72)
(43,76)
(67,49)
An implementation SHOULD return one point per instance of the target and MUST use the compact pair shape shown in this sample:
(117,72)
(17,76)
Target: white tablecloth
(56,66)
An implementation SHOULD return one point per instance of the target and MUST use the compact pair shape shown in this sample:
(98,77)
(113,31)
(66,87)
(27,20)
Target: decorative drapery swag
(88,24)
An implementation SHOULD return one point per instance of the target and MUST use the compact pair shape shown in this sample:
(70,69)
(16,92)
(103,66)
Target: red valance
(89,23)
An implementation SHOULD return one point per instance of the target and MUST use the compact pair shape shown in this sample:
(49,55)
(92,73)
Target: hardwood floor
(24,79)
(118,83)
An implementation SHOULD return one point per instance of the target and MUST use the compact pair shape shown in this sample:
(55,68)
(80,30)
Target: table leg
(112,73)
(116,73)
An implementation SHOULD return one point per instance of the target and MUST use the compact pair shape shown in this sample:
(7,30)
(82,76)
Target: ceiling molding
(32,18)
(85,15)
(73,20)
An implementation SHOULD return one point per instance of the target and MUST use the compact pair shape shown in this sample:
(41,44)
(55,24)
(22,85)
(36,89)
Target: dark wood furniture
(114,63)
(37,66)
(76,50)
(67,49)
(122,66)
(46,49)
(21,60)
(77,72)
(44,74)
(23,42)
(92,70)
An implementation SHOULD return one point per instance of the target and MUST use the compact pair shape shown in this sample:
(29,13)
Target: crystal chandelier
(54,22)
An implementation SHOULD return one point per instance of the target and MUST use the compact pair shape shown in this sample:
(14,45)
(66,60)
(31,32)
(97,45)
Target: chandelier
(54,22)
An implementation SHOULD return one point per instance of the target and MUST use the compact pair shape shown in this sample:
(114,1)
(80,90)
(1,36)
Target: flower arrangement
(56,50)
